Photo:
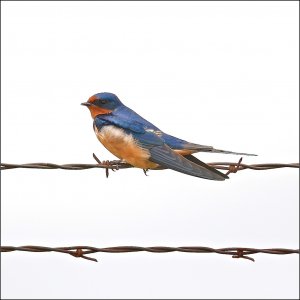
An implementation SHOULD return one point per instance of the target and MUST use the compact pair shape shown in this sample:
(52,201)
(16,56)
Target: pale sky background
(224,74)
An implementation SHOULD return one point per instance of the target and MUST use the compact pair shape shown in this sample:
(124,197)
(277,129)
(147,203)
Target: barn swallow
(143,145)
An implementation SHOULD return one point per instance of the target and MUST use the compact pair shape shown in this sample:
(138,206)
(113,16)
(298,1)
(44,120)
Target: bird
(141,144)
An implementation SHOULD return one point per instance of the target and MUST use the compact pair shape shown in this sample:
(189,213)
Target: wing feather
(166,157)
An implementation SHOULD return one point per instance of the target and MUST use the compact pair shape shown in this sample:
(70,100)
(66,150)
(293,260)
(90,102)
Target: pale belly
(123,146)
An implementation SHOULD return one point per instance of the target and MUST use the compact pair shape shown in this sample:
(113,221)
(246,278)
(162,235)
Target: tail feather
(201,148)
(213,150)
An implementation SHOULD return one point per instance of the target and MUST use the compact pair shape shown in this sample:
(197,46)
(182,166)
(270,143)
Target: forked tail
(213,150)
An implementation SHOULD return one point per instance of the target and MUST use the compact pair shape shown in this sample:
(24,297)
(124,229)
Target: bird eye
(102,101)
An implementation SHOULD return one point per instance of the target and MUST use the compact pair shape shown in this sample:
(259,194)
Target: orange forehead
(92,99)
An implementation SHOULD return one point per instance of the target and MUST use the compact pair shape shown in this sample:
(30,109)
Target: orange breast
(123,146)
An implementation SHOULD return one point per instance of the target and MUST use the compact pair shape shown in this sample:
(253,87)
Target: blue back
(126,118)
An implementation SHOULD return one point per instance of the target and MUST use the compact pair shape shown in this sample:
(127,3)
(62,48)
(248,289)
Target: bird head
(102,103)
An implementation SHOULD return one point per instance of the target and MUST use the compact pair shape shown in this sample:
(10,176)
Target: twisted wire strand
(121,165)
(82,251)
(231,167)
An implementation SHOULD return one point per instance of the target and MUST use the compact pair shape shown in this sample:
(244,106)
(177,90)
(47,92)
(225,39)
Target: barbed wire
(82,251)
(231,167)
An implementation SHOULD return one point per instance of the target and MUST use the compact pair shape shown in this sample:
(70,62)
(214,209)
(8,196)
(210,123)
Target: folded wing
(166,157)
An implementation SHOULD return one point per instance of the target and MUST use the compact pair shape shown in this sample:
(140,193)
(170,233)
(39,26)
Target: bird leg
(145,171)
(114,164)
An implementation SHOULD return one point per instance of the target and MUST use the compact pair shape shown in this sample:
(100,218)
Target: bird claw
(116,164)
(108,164)
(113,165)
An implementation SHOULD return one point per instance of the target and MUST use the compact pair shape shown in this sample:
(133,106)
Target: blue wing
(131,117)
(160,153)
(163,155)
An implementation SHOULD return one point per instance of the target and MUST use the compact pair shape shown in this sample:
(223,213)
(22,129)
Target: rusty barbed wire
(82,251)
(114,165)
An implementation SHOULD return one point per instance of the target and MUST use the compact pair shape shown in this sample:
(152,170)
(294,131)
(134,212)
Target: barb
(82,251)
(114,165)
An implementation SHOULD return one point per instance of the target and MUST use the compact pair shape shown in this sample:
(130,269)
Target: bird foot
(115,164)
(145,171)
(112,165)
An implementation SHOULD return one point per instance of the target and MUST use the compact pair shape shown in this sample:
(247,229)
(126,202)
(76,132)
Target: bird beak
(86,104)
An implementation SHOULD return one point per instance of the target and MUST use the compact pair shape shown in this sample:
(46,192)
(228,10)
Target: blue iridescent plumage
(127,135)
